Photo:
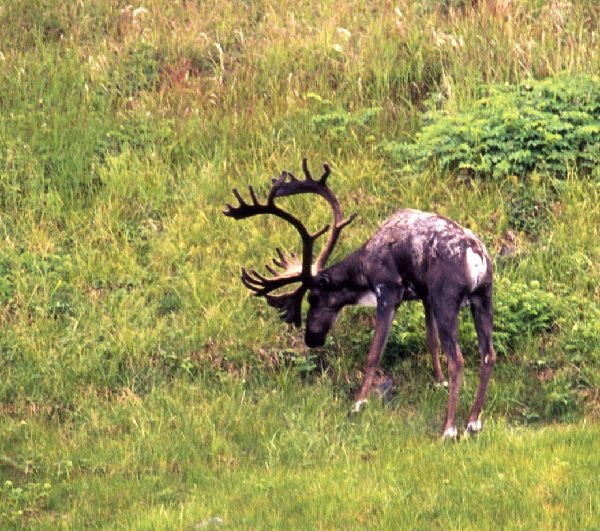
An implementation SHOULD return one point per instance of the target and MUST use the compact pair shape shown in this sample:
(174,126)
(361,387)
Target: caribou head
(307,273)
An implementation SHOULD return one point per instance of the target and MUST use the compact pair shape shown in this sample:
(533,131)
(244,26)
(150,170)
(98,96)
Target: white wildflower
(344,33)
(139,11)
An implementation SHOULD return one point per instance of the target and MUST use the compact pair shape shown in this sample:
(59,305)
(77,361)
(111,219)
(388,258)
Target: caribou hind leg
(433,346)
(445,312)
(481,309)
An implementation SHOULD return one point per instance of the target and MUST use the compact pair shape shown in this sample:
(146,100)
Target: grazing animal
(413,255)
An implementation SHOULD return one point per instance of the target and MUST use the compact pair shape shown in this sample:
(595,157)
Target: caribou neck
(348,275)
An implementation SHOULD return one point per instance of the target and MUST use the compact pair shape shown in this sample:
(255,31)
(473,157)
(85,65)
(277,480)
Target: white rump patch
(476,267)
(368,298)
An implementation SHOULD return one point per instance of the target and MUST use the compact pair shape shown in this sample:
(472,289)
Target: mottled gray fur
(417,243)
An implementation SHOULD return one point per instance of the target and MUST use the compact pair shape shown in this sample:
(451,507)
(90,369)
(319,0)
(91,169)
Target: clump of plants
(581,341)
(338,122)
(528,208)
(549,126)
(138,71)
(522,310)
(18,502)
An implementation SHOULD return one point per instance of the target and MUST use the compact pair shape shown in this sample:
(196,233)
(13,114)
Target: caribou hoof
(441,385)
(451,434)
(473,428)
(358,406)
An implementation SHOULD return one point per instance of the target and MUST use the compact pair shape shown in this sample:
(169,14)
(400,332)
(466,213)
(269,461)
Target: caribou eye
(322,281)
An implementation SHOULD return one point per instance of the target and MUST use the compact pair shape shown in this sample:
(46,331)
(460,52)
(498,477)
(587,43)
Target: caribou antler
(311,185)
(292,269)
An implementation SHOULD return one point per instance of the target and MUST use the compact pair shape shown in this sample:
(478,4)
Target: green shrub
(581,340)
(17,502)
(339,121)
(521,310)
(548,126)
(560,398)
(334,123)
(528,208)
(137,71)
(6,282)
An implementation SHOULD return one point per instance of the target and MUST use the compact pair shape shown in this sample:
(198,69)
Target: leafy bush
(17,502)
(337,122)
(528,208)
(334,122)
(521,310)
(581,343)
(546,126)
(138,71)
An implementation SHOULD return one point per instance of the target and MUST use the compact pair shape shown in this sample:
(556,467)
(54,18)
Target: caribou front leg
(387,302)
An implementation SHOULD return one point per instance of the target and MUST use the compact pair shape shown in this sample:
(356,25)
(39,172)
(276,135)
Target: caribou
(413,255)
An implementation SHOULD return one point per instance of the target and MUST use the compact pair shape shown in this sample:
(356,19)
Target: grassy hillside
(140,384)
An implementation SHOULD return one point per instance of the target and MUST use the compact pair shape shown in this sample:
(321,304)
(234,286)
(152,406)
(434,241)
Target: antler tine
(322,179)
(244,210)
(276,182)
(262,285)
(230,209)
(284,175)
(326,173)
(315,235)
(306,170)
(284,262)
(289,305)
(271,270)
(347,221)
(253,196)
(333,238)
(238,196)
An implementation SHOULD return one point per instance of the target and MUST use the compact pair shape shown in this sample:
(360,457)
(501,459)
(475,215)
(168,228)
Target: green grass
(288,455)
(141,386)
